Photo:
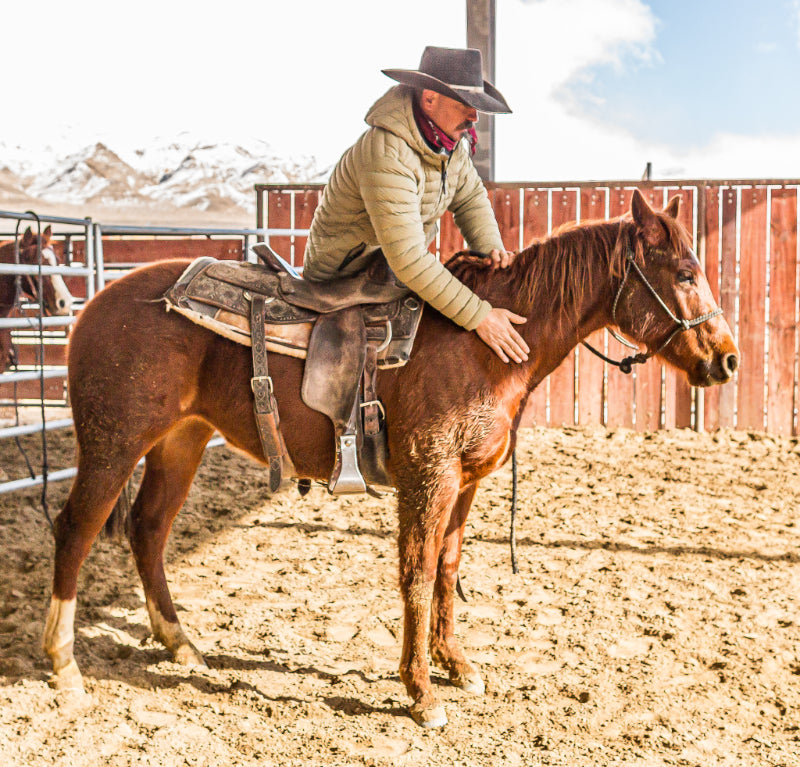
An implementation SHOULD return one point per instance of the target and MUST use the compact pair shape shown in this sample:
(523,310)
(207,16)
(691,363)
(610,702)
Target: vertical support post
(98,257)
(89,259)
(260,192)
(481,34)
(702,232)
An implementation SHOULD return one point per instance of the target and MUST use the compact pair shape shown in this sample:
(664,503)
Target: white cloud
(546,140)
(302,75)
(545,46)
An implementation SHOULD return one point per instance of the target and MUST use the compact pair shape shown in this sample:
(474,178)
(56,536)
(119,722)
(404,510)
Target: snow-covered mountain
(185,172)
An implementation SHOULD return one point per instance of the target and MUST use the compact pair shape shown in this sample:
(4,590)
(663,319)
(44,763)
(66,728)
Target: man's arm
(475,219)
(390,193)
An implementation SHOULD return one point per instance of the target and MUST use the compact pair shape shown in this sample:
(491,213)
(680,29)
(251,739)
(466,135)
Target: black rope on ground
(513,535)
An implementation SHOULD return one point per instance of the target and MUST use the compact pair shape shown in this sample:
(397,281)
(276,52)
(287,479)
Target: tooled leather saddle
(345,329)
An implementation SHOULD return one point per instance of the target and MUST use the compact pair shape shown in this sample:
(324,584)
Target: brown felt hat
(457,73)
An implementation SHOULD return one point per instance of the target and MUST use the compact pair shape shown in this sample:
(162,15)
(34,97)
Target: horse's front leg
(445,649)
(424,509)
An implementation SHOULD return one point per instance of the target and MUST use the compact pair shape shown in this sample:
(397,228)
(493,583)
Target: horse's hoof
(68,680)
(430,718)
(188,655)
(472,684)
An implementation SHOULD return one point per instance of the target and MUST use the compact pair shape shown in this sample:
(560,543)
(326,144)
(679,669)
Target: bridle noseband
(626,364)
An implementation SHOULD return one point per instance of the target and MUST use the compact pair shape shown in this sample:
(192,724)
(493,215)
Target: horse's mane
(558,271)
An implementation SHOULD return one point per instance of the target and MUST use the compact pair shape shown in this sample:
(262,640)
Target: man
(390,189)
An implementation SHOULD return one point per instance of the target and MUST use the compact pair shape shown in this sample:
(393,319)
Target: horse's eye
(684,275)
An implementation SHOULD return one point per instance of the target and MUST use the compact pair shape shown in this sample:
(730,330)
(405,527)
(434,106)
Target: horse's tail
(118,525)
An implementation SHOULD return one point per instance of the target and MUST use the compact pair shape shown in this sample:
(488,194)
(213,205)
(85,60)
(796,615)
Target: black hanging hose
(513,536)
(40,289)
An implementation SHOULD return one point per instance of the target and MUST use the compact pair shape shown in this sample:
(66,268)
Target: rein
(626,364)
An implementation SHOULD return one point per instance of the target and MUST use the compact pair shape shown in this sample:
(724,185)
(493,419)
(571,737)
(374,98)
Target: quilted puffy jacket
(389,191)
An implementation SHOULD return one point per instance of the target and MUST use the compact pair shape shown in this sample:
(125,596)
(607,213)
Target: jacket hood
(394,112)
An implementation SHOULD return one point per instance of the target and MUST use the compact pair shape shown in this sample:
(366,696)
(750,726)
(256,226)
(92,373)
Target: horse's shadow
(675,551)
(135,672)
(307,527)
(106,656)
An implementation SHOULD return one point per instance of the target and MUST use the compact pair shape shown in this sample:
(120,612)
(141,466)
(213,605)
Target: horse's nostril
(729,363)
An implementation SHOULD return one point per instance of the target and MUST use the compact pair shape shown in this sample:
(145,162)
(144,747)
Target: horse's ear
(27,237)
(46,235)
(673,207)
(647,221)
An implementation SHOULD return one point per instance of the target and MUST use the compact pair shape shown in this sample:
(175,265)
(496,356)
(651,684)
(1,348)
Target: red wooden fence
(744,231)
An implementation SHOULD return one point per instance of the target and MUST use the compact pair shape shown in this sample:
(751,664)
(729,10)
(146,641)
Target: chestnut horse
(55,299)
(145,382)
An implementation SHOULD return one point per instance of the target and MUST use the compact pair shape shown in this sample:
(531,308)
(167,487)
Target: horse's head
(56,298)
(664,300)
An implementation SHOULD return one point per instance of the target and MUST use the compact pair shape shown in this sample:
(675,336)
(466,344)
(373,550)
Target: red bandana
(436,137)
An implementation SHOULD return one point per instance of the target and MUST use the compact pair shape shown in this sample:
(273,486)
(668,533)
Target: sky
(598,88)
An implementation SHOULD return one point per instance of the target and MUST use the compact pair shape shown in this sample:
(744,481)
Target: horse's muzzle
(719,370)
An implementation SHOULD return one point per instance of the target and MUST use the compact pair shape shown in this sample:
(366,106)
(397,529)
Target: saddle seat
(345,329)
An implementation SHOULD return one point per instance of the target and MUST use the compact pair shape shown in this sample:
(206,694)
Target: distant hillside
(184,174)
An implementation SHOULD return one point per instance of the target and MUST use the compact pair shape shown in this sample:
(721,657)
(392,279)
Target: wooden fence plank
(305,203)
(619,406)
(506,210)
(279,216)
(681,395)
(782,321)
(53,390)
(647,377)
(752,274)
(145,250)
(564,209)
(534,226)
(591,369)
(450,238)
(728,295)
(712,270)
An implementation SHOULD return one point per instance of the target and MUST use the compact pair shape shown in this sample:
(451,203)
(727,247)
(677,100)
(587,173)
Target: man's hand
(498,333)
(502,258)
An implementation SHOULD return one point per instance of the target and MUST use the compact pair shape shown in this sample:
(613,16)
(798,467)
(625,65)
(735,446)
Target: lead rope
(513,536)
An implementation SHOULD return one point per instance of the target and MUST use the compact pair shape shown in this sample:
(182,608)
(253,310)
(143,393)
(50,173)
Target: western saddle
(345,330)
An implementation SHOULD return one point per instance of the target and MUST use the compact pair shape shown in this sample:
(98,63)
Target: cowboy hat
(456,73)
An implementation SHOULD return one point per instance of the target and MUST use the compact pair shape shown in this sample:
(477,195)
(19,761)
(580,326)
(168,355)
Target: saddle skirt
(218,295)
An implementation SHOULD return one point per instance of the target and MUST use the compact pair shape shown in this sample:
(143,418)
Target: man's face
(452,117)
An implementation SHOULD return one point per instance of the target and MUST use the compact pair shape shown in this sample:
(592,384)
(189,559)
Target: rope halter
(626,364)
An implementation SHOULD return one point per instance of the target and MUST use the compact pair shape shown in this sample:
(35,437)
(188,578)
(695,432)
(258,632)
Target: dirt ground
(655,619)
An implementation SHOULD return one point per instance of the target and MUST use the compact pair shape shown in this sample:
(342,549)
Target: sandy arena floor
(655,619)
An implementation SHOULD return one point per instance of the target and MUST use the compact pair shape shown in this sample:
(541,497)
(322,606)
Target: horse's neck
(567,288)
(558,322)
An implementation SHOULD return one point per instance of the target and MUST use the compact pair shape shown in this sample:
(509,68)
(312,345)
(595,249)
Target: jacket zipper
(443,187)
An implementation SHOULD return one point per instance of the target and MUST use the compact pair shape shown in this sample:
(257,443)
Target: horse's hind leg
(445,649)
(170,467)
(90,501)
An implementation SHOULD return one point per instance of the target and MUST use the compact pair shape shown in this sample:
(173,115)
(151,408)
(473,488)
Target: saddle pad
(216,295)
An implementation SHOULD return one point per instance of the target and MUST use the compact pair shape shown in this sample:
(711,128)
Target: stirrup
(346,477)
